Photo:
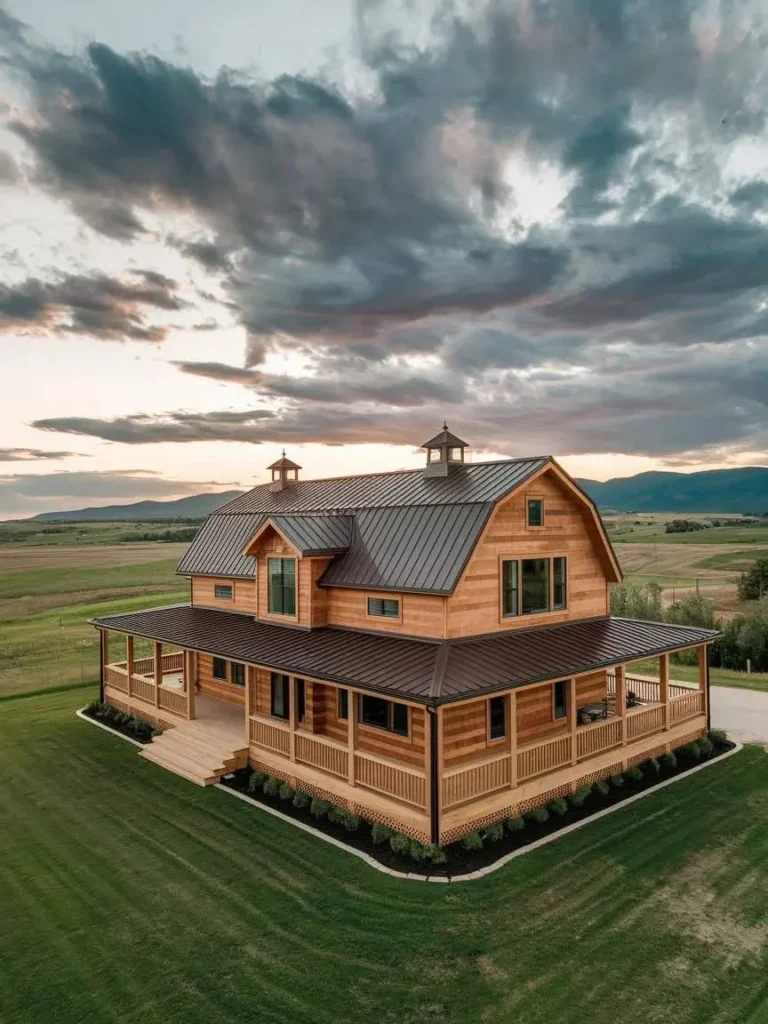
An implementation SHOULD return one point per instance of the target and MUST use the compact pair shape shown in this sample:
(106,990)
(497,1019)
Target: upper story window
(533,585)
(535,512)
(281,586)
(497,717)
(280,697)
(223,591)
(387,607)
(383,714)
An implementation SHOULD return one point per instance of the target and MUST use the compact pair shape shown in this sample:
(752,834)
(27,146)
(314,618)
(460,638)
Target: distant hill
(196,506)
(714,490)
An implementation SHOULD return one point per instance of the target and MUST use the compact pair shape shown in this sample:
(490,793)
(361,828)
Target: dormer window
(281,586)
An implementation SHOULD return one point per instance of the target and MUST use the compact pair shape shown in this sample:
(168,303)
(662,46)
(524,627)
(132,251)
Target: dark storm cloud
(31,455)
(383,236)
(101,306)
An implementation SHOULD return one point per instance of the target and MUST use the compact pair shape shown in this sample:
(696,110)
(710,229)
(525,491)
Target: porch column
(664,686)
(104,659)
(292,717)
(427,761)
(189,682)
(158,671)
(621,700)
(129,662)
(440,760)
(351,735)
(250,672)
(703,653)
(572,719)
(513,739)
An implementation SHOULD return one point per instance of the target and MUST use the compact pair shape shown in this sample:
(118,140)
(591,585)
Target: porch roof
(427,671)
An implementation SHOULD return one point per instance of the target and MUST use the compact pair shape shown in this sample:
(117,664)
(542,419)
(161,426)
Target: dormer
(445,452)
(284,473)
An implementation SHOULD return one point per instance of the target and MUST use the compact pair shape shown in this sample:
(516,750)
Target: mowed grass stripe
(131,895)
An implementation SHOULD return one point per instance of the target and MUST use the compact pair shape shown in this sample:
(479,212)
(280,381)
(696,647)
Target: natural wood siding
(475,606)
(218,688)
(243,594)
(420,614)
(465,732)
(397,748)
(327,722)
(591,689)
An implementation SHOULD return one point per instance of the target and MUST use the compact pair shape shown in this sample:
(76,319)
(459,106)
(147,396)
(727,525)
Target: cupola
(284,473)
(445,451)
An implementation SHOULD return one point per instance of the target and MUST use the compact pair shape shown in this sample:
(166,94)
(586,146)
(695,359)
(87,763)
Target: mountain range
(714,490)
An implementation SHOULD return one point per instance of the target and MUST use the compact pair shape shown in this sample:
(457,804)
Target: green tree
(632,600)
(753,584)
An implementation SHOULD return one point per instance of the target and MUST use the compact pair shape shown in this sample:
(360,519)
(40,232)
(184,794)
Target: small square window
(238,673)
(535,512)
(388,608)
(342,707)
(497,717)
(219,668)
(222,591)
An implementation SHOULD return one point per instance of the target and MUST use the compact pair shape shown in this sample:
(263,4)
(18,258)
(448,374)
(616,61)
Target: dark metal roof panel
(218,546)
(316,535)
(469,482)
(385,664)
(518,657)
(423,548)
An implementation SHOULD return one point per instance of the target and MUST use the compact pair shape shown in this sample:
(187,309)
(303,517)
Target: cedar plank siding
(219,688)
(465,726)
(243,594)
(475,606)
(420,614)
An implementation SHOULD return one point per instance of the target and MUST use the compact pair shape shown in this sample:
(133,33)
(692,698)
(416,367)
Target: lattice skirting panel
(353,806)
(145,716)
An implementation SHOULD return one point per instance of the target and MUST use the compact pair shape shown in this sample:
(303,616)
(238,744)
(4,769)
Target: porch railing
(469,781)
(687,706)
(646,690)
(406,784)
(270,734)
(142,683)
(322,753)
(538,758)
(594,739)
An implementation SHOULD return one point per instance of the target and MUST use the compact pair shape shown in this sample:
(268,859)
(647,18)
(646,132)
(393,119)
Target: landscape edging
(470,876)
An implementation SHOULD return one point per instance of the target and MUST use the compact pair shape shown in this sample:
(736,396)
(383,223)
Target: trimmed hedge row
(127,724)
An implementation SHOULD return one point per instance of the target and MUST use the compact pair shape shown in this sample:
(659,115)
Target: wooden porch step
(196,754)
(189,770)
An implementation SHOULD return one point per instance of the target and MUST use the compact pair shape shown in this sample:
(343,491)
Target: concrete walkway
(742,713)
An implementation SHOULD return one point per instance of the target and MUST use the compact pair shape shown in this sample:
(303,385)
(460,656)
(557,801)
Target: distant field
(737,561)
(23,534)
(47,595)
(717,676)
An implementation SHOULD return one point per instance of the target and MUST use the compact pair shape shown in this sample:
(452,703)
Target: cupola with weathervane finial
(445,452)
(281,473)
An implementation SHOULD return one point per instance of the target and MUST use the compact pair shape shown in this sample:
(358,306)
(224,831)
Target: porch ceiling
(420,670)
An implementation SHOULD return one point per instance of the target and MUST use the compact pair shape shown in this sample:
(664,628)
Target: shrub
(651,766)
(688,752)
(602,787)
(472,841)
(336,815)
(540,815)
(400,843)
(669,762)
(435,854)
(719,737)
(706,746)
(494,832)
(516,824)
(286,792)
(635,773)
(300,800)
(381,833)
(558,807)
(271,786)
(351,822)
(577,799)
(417,851)
(319,808)
(617,781)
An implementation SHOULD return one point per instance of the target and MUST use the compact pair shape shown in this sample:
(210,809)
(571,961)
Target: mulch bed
(461,861)
(124,730)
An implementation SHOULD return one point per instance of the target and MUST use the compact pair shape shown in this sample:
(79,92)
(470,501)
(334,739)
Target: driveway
(742,713)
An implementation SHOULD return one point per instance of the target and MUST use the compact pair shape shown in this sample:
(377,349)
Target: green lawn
(690,674)
(132,897)
(736,560)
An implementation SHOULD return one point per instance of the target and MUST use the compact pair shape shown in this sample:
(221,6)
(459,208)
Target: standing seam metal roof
(435,672)
(410,532)
(316,535)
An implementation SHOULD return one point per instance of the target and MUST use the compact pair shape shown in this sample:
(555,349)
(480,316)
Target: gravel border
(470,876)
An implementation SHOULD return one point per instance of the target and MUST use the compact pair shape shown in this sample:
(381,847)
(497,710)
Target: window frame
(283,614)
(233,665)
(342,698)
(223,586)
(504,698)
(214,674)
(285,682)
(530,499)
(378,619)
(389,727)
(565,685)
(518,613)
(301,699)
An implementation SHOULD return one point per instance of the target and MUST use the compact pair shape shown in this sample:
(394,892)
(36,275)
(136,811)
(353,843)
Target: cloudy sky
(228,228)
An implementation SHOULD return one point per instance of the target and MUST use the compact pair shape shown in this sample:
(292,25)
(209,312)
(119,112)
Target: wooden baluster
(621,700)
(158,671)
